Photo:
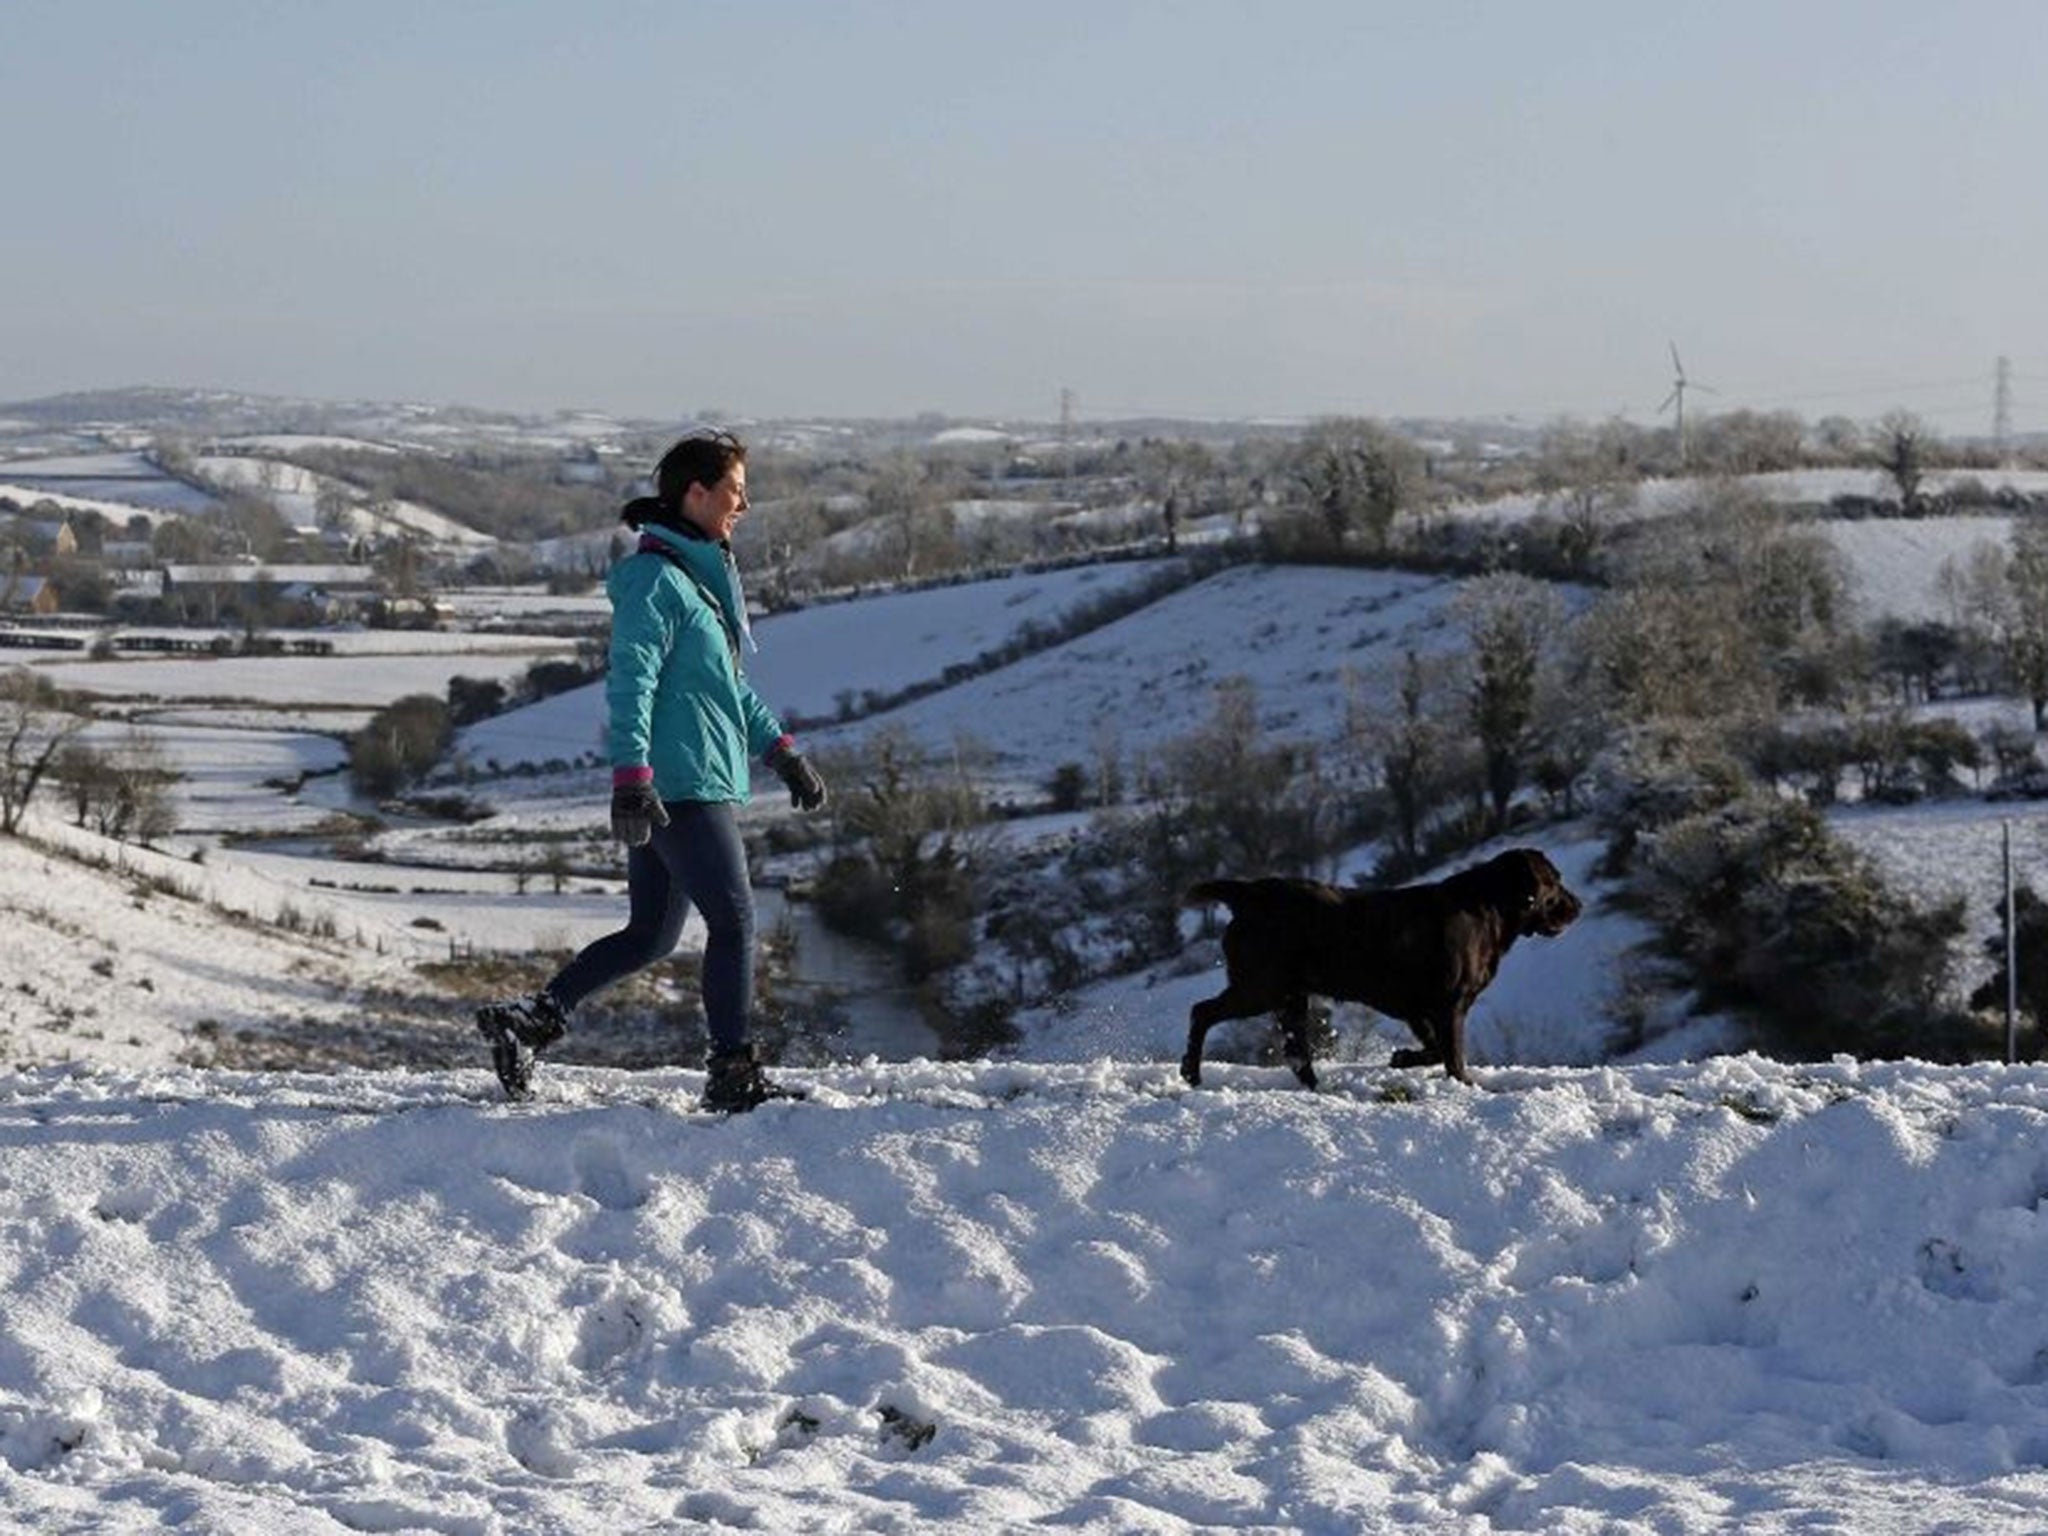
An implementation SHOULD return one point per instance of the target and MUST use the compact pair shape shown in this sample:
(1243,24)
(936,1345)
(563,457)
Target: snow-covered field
(1792,487)
(1956,849)
(401,663)
(1896,563)
(230,775)
(509,605)
(119,501)
(1718,1298)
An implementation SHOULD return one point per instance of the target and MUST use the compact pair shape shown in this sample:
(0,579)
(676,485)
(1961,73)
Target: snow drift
(998,1297)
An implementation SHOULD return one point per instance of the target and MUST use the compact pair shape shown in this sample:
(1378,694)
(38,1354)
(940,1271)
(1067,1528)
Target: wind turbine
(1677,398)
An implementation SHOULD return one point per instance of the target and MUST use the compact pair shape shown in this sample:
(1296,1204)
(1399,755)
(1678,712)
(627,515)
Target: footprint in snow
(601,1173)
(1946,1270)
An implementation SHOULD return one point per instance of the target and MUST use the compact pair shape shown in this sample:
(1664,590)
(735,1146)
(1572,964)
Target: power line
(2001,410)
(1954,397)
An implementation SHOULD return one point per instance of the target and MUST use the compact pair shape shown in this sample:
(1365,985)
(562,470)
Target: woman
(684,723)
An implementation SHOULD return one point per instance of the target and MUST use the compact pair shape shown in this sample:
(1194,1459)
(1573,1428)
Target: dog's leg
(1431,1051)
(1228,1004)
(1294,1025)
(1452,1032)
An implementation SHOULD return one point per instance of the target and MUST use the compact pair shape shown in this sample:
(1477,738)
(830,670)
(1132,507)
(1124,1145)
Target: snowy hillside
(812,659)
(296,493)
(1293,632)
(1734,1297)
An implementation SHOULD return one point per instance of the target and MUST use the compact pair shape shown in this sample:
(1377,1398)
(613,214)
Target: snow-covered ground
(1729,1297)
(1953,849)
(230,776)
(511,605)
(125,965)
(401,663)
(119,501)
(1673,1298)
(1896,563)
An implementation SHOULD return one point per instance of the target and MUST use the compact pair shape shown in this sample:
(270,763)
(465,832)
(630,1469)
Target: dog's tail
(1225,891)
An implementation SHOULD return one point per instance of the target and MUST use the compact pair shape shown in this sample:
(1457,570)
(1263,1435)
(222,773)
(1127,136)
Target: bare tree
(139,802)
(333,508)
(1978,597)
(1838,438)
(124,791)
(556,866)
(398,565)
(1106,748)
(784,531)
(249,526)
(912,508)
(1412,748)
(1901,446)
(1173,472)
(1749,442)
(36,724)
(1589,476)
(1253,804)
(1651,655)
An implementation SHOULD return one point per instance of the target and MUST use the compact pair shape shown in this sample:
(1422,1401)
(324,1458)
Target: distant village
(63,563)
(251,543)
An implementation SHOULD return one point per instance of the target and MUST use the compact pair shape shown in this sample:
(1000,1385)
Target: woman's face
(717,509)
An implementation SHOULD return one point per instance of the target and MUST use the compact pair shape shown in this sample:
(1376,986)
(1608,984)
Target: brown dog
(1418,953)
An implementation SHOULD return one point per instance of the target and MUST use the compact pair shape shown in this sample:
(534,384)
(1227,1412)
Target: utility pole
(1066,440)
(2001,412)
(2012,957)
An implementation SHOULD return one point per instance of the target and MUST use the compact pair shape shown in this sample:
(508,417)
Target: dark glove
(636,812)
(806,789)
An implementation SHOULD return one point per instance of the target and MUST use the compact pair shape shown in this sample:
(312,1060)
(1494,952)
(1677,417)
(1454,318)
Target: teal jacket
(679,704)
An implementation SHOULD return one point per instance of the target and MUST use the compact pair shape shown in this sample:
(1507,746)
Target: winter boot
(520,1029)
(734,1082)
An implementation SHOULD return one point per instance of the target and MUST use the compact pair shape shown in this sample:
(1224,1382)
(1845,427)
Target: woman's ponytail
(645,509)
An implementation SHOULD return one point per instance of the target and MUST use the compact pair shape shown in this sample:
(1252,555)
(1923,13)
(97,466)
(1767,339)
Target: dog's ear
(1519,878)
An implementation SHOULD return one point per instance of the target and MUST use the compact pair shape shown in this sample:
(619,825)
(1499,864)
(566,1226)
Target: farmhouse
(63,539)
(43,535)
(205,590)
(27,594)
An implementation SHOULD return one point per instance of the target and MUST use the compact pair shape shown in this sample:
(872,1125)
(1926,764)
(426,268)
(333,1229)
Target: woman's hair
(702,458)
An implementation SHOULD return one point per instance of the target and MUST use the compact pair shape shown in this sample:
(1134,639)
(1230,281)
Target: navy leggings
(696,860)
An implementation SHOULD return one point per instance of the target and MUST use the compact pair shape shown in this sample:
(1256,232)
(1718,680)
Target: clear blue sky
(1286,207)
